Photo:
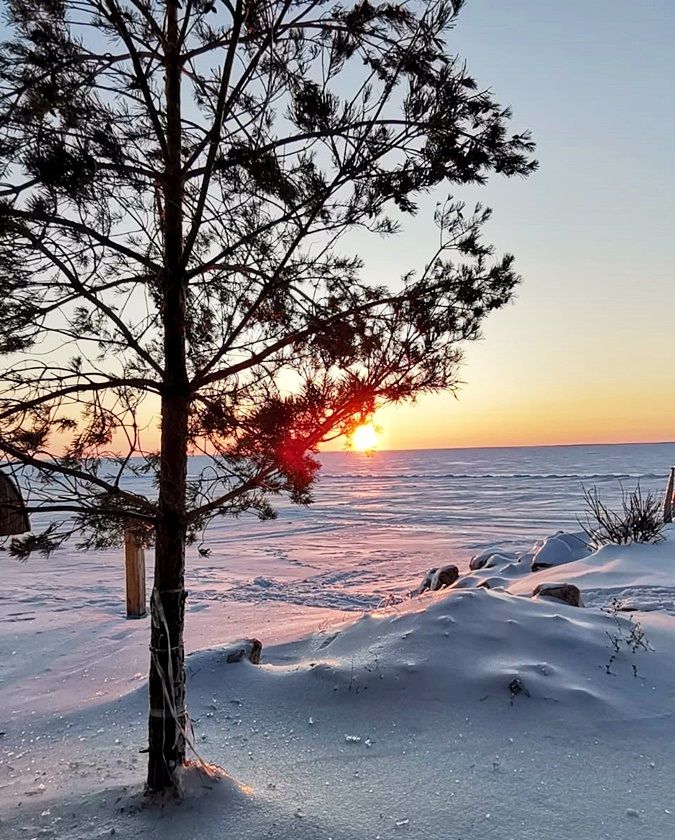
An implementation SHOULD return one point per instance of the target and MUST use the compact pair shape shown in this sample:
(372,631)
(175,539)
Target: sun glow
(365,438)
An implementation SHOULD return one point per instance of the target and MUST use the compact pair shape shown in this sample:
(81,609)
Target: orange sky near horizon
(592,376)
(483,416)
(440,422)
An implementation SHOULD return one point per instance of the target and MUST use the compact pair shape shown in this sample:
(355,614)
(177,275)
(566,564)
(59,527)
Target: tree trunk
(167,721)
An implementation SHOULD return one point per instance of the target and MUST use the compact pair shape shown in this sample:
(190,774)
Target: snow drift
(473,712)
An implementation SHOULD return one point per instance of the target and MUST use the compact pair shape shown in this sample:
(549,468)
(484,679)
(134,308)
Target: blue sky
(587,352)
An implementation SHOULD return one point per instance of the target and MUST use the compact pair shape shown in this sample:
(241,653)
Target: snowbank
(626,577)
(471,712)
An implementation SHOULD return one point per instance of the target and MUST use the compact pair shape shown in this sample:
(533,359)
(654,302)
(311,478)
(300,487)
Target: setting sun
(365,438)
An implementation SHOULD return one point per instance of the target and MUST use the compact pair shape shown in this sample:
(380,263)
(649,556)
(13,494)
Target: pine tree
(179,184)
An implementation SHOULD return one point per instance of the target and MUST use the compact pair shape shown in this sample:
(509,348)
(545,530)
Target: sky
(586,353)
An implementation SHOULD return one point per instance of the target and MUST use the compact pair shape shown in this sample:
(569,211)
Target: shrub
(639,520)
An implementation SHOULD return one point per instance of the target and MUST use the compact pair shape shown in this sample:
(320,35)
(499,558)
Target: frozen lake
(378,521)
(377,524)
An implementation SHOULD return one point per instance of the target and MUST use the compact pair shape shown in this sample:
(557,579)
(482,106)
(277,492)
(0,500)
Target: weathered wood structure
(13,515)
(134,560)
(668,500)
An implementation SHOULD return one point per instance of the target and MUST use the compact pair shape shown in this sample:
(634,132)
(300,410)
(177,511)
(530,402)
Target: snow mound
(465,650)
(490,557)
(558,549)
(639,577)
(630,578)
(554,550)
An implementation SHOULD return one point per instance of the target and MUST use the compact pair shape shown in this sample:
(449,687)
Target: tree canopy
(180,188)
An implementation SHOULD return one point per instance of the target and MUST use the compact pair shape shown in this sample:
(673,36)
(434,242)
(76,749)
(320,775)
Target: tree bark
(167,720)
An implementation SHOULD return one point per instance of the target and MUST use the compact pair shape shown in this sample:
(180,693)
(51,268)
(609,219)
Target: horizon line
(499,446)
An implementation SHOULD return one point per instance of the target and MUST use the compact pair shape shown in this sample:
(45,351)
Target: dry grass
(639,519)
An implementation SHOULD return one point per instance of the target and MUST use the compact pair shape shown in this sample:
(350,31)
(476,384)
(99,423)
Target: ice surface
(480,714)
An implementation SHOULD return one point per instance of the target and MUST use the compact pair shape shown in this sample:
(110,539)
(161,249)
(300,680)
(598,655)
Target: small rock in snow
(516,687)
(445,576)
(437,578)
(567,592)
(250,649)
(631,812)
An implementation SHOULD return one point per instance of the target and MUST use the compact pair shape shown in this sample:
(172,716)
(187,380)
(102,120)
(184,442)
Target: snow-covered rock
(560,548)
(491,557)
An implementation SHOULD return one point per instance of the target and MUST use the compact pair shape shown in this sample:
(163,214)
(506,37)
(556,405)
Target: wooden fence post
(13,516)
(668,501)
(134,561)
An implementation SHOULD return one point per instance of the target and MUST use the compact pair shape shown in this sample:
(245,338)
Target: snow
(466,713)
(635,577)
(559,549)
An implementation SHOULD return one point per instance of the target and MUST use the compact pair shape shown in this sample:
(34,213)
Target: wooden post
(668,501)
(134,559)
(13,516)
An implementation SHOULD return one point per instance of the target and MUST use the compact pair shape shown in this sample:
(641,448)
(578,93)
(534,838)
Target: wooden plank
(134,561)
(668,501)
